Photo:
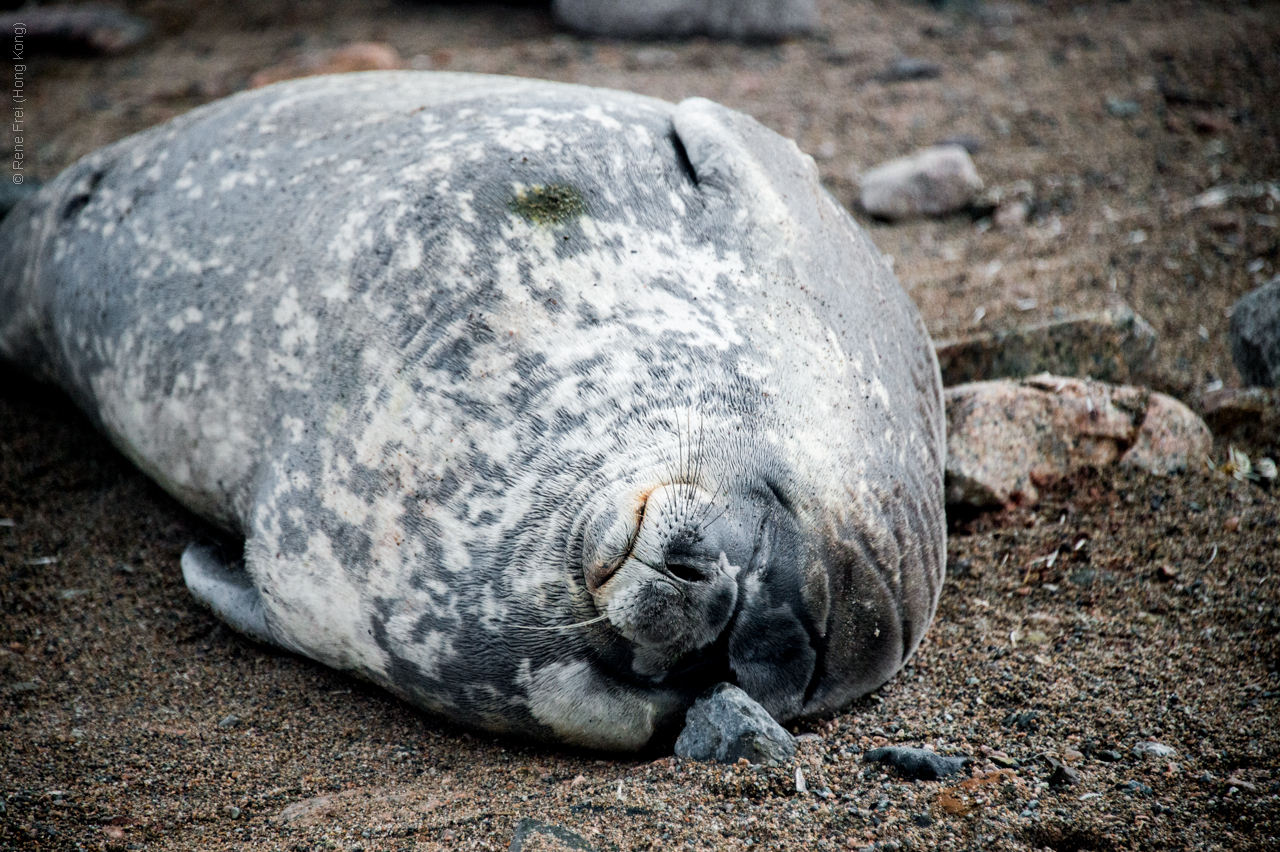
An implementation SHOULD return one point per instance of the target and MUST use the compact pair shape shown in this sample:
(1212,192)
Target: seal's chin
(691,578)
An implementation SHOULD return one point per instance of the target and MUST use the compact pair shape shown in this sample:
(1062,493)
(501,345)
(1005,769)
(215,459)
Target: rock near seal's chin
(434,345)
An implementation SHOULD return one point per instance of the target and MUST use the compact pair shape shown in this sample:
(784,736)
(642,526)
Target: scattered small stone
(725,724)
(1062,775)
(1210,123)
(88,27)
(918,764)
(905,69)
(767,20)
(233,812)
(647,58)
(360,56)
(532,834)
(1012,214)
(21,687)
(1154,749)
(1113,345)
(1122,107)
(1109,755)
(1135,787)
(1004,761)
(229,722)
(1005,439)
(802,786)
(931,182)
(923,820)
(1028,720)
(1255,336)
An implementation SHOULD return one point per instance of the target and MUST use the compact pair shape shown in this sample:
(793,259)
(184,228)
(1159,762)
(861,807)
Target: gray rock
(725,724)
(1112,345)
(1122,107)
(532,834)
(1245,417)
(931,182)
(1255,336)
(904,69)
(1063,775)
(918,764)
(1154,749)
(746,20)
(229,721)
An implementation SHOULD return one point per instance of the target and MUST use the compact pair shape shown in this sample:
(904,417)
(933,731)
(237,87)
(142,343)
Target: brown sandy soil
(1156,619)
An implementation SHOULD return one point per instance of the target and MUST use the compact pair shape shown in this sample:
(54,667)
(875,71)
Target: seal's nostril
(688,573)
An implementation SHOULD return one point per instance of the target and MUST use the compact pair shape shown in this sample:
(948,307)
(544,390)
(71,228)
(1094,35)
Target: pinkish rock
(1008,439)
(358,56)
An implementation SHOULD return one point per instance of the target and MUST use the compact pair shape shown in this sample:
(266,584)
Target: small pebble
(918,764)
(229,722)
(1154,749)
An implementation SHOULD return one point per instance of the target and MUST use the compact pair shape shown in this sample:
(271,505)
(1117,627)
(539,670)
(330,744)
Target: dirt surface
(1123,609)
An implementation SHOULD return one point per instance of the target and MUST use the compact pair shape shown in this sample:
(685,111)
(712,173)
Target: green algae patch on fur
(549,205)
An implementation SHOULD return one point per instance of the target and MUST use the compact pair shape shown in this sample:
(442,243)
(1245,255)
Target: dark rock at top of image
(1255,336)
(69,29)
(918,764)
(743,20)
(725,724)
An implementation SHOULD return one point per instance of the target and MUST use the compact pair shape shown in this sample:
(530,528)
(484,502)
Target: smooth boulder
(931,182)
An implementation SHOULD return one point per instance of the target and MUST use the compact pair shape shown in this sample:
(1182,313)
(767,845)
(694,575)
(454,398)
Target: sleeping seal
(542,406)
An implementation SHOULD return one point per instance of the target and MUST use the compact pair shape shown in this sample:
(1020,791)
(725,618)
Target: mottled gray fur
(544,407)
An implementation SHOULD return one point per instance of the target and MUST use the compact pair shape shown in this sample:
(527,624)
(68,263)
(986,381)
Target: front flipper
(227,589)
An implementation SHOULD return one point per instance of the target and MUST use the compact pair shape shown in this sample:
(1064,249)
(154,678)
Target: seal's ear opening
(734,155)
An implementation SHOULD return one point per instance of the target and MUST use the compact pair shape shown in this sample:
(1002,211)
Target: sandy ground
(1155,620)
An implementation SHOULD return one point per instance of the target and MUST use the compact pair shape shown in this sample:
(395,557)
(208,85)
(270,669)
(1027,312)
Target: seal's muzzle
(686,576)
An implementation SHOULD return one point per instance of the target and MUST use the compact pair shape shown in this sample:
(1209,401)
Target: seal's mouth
(702,588)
